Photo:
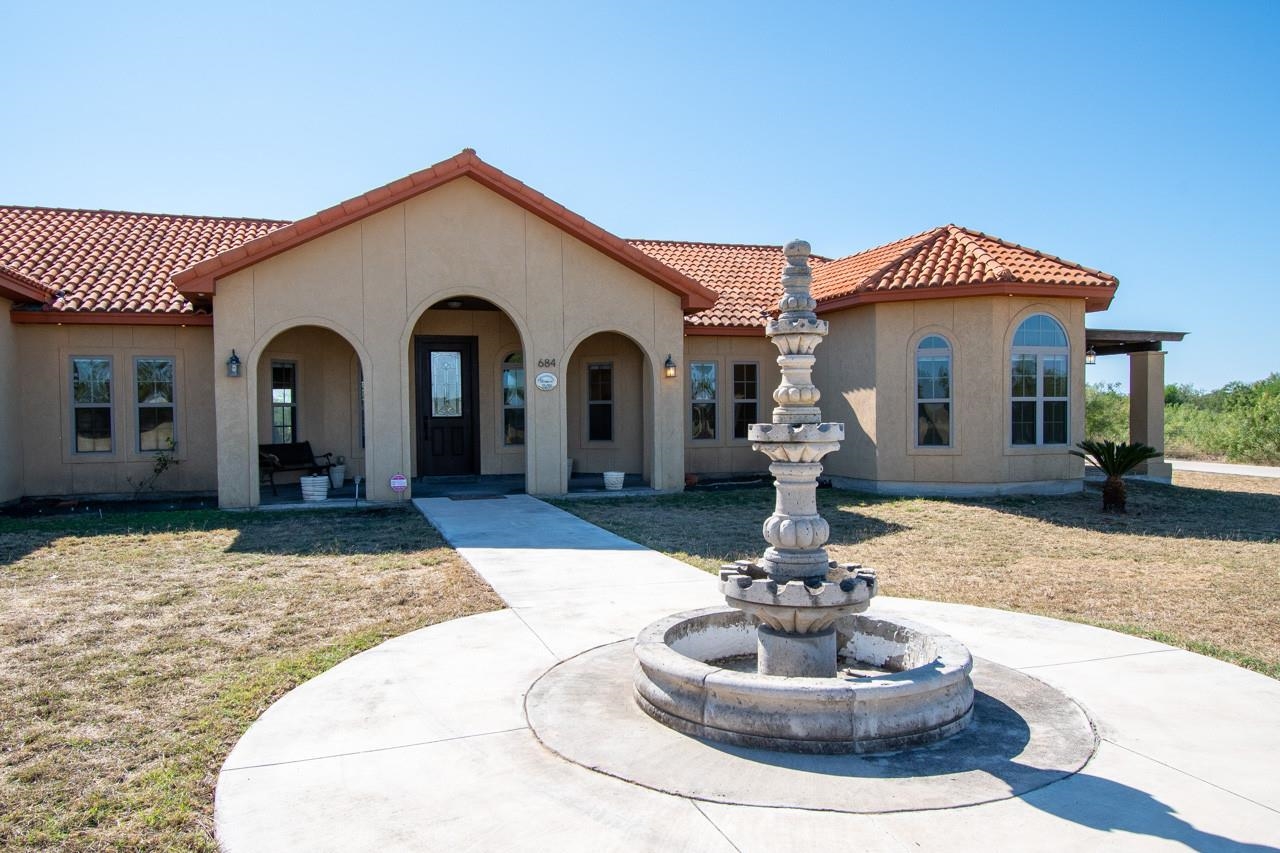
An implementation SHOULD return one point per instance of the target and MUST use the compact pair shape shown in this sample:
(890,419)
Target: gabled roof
(954,261)
(201,277)
(744,277)
(96,261)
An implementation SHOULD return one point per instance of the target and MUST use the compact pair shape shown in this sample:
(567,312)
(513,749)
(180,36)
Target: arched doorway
(468,392)
(309,386)
(609,408)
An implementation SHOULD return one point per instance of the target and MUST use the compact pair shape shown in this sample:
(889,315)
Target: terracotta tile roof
(113,261)
(745,277)
(948,257)
(944,261)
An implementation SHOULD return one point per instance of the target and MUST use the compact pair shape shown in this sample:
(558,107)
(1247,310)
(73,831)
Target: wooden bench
(294,456)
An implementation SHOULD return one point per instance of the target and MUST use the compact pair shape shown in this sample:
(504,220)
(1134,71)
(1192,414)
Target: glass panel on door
(446,384)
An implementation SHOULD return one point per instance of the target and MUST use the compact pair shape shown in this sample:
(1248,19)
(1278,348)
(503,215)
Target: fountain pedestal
(798,610)
(789,592)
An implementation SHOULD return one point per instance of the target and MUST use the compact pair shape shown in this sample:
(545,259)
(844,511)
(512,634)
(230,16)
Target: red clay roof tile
(745,277)
(96,261)
(948,257)
(944,261)
(107,260)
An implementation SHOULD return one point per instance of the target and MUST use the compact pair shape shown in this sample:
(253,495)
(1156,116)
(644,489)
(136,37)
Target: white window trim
(111,406)
(1040,352)
(913,427)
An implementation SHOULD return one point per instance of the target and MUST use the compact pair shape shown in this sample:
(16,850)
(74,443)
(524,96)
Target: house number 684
(546,362)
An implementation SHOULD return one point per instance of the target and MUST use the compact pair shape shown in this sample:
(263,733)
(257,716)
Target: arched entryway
(468,392)
(609,408)
(309,386)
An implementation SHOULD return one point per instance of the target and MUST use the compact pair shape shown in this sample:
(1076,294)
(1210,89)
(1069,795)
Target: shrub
(1106,412)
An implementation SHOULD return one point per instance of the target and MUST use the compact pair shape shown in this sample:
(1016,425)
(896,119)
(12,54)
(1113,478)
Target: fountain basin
(682,679)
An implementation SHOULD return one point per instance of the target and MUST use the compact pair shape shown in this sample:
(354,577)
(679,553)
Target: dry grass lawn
(138,648)
(1196,564)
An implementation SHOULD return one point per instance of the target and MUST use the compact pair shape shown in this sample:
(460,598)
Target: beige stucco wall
(49,464)
(10,411)
(879,415)
(496,338)
(845,374)
(725,454)
(372,280)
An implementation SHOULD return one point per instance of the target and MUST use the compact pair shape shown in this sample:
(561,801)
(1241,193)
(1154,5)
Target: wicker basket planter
(314,488)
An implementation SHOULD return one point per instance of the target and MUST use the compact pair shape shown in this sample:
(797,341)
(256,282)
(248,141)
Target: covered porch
(1145,350)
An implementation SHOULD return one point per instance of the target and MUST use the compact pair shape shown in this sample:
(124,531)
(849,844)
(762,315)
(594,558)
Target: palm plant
(1115,460)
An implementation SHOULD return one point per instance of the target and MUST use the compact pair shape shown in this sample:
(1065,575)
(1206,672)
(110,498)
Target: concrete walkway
(422,744)
(1224,468)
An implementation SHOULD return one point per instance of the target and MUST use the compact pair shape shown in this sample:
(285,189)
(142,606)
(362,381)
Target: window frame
(273,405)
(504,365)
(110,405)
(172,405)
(742,401)
(589,367)
(1039,352)
(917,352)
(713,402)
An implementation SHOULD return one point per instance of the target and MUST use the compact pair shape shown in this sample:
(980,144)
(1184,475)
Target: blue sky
(1138,138)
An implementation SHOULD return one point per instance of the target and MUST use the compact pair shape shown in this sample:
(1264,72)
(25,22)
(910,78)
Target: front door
(448,423)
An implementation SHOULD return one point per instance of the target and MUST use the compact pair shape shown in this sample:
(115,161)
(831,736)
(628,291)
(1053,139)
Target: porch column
(1146,409)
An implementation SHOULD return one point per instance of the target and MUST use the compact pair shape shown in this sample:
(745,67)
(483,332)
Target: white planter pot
(315,488)
(613,480)
(337,475)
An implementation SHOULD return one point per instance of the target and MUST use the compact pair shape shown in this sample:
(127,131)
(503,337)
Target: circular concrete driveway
(422,742)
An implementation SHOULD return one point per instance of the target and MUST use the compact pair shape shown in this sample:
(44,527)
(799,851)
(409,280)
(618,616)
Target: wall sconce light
(669,368)
(1090,356)
(233,365)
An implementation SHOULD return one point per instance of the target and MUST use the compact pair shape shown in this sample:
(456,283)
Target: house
(457,321)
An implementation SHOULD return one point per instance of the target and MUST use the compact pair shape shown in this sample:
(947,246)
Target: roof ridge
(777,246)
(926,232)
(112,212)
(921,240)
(1039,254)
(773,247)
(970,243)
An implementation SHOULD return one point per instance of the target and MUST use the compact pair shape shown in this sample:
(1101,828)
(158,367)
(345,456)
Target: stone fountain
(792,664)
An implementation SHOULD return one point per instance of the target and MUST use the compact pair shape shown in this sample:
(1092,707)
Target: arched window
(1039,388)
(513,399)
(933,392)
